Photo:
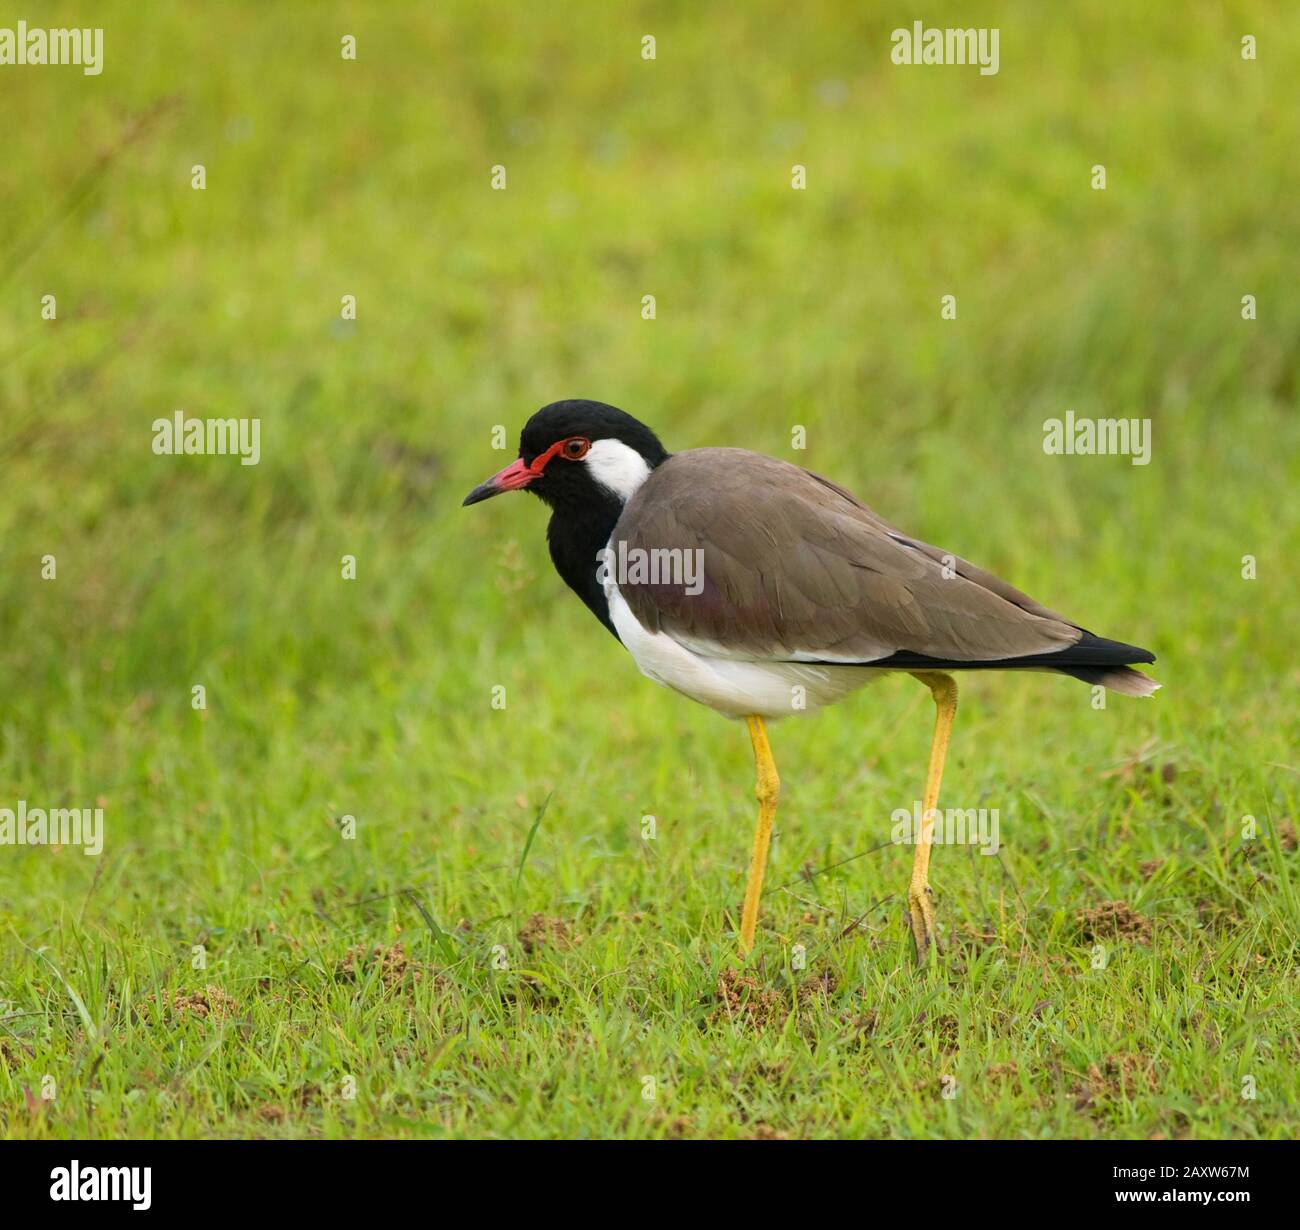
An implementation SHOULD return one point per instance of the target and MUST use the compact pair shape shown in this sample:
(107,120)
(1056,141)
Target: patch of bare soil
(860,1025)
(1113,920)
(541,931)
(679,1128)
(1125,1074)
(211,1002)
(394,966)
(741,997)
(944,1028)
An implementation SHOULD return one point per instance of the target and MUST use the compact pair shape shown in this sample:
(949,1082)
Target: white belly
(733,686)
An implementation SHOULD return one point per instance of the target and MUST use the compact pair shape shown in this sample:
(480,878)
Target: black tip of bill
(484,491)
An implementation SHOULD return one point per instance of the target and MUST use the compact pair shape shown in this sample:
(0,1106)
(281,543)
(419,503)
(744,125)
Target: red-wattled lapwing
(800,594)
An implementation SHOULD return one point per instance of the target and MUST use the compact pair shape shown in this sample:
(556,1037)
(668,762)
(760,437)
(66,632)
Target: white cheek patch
(617,467)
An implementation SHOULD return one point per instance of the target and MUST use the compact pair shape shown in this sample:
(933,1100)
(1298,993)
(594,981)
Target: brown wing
(794,566)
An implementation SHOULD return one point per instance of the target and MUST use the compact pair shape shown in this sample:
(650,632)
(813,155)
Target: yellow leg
(768,790)
(921,908)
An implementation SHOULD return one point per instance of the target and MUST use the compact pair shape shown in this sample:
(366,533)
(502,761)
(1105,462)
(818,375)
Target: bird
(763,590)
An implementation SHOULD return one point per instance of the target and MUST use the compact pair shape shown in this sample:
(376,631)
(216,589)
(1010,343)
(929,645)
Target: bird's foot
(925,930)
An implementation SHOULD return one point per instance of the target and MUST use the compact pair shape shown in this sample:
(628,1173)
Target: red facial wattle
(519,474)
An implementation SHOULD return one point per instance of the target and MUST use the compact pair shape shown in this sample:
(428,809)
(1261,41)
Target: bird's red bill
(514,476)
(517,474)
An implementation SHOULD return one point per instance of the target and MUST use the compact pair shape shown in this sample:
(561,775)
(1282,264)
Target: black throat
(575,535)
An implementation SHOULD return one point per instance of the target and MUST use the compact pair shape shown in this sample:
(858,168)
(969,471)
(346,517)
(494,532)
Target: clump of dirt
(1218,915)
(1287,836)
(944,1029)
(1113,920)
(210,1002)
(308,1096)
(542,932)
(820,984)
(1003,1071)
(860,1025)
(679,1128)
(765,1131)
(742,998)
(394,966)
(1124,1074)
(1150,867)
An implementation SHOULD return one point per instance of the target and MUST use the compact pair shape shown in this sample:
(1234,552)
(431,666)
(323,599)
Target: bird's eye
(576,449)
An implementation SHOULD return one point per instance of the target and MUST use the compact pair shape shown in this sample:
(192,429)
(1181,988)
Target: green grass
(535,980)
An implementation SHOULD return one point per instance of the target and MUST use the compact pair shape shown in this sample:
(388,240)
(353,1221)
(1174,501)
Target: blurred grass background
(775,308)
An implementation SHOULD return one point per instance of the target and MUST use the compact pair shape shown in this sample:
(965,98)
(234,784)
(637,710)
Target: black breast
(576,536)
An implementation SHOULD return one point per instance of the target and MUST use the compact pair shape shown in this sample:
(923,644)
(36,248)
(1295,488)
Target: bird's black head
(578,454)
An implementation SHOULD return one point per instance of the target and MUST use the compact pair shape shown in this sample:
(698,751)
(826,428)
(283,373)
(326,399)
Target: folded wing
(796,568)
